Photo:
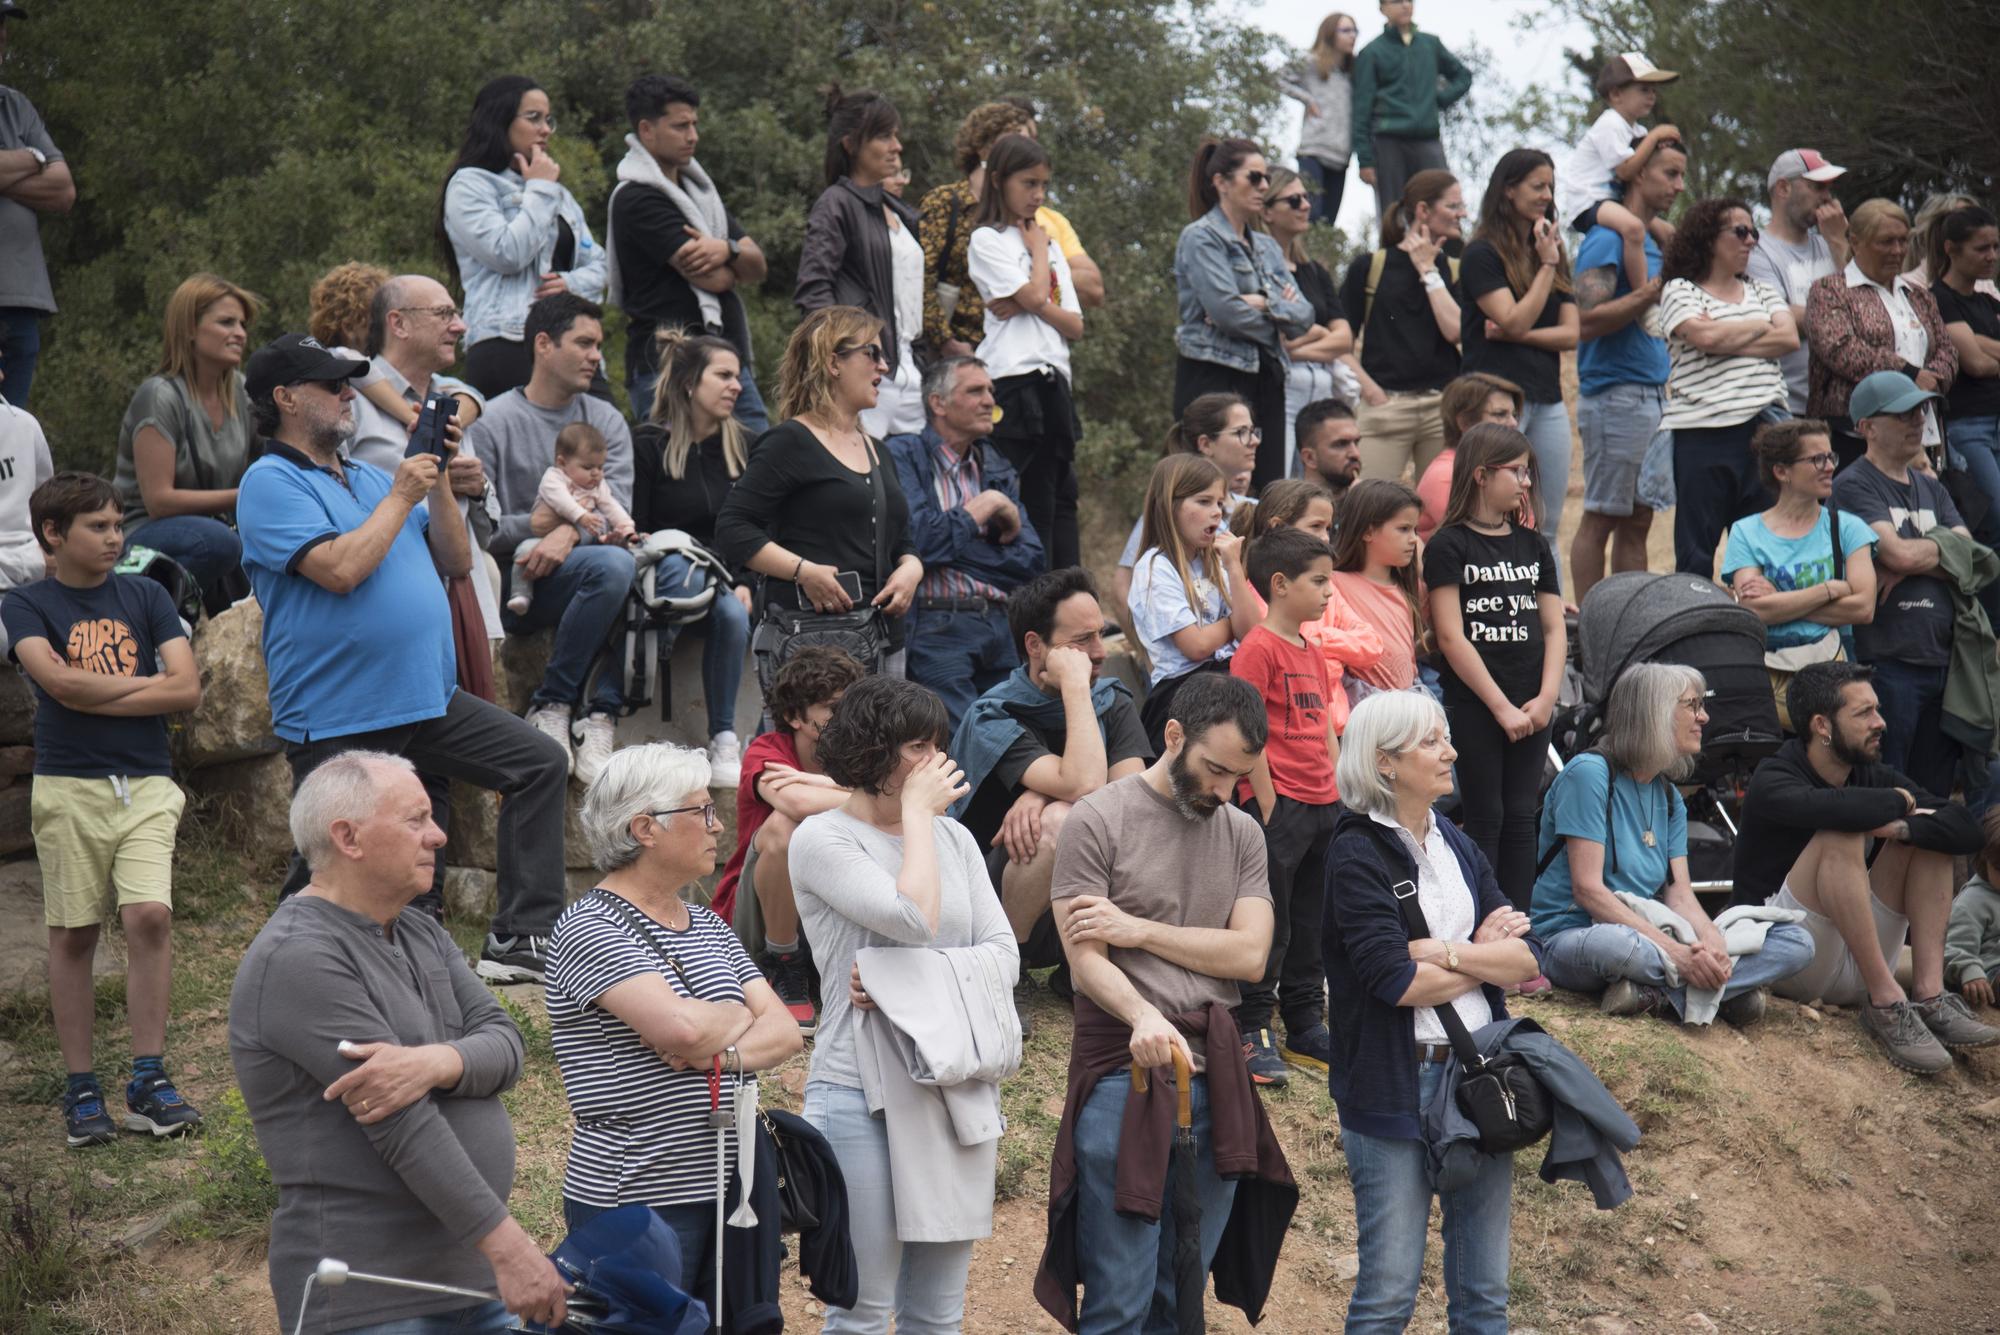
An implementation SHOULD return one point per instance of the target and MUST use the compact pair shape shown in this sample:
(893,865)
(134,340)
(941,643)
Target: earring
(1390,776)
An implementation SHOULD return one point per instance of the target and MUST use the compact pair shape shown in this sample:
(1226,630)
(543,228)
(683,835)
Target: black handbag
(1499,1095)
(862,632)
(798,1185)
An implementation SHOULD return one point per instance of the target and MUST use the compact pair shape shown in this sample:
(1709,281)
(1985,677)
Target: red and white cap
(1796,162)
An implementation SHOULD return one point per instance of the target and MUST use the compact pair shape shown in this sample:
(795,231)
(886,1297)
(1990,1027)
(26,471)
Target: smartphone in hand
(428,435)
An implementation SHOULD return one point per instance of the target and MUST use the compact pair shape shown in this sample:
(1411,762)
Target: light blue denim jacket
(1212,268)
(503,230)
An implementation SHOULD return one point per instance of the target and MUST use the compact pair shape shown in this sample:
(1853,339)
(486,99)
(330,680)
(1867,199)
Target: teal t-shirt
(1795,563)
(1575,808)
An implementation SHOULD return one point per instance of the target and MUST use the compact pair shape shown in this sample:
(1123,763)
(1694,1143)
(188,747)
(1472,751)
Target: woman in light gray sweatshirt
(1322,82)
(886,868)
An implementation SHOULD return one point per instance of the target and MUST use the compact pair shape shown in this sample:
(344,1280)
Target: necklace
(1646,810)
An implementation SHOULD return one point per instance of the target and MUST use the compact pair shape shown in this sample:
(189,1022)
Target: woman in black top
(1519,312)
(1971,255)
(1315,353)
(686,456)
(819,497)
(1405,299)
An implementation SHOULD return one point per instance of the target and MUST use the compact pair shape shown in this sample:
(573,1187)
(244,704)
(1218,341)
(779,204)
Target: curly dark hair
(982,128)
(814,676)
(1693,244)
(872,724)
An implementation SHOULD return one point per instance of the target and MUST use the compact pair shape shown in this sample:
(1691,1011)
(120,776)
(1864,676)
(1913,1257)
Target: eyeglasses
(445,313)
(1695,705)
(707,810)
(1824,459)
(1346,30)
(1258,179)
(1289,202)
(1524,472)
(873,350)
(539,118)
(1745,232)
(1247,435)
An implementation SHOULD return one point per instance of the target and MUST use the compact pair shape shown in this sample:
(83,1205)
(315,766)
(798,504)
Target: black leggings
(1499,794)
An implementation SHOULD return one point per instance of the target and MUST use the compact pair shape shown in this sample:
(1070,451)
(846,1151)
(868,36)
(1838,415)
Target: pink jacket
(570,503)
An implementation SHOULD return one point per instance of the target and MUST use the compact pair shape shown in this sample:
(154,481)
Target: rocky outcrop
(234,721)
(250,801)
(17,710)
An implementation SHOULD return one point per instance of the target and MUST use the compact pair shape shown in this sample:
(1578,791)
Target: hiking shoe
(594,752)
(725,760)
(86,1120)
(1745,1008)
(1267,1068)
(1310,1048)
(1948,1017)
(552,721)
(156,1108)
(1626,997)
(514,959)
(1906,1040)
(792,981)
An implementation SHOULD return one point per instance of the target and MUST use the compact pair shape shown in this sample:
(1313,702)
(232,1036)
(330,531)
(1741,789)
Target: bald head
(415,324)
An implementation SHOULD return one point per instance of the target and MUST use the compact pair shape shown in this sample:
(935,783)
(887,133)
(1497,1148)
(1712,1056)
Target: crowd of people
(1342,597)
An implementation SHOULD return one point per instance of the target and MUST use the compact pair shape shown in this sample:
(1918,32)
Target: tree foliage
(268,140)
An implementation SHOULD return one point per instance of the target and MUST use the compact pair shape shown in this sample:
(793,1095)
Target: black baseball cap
(291,358)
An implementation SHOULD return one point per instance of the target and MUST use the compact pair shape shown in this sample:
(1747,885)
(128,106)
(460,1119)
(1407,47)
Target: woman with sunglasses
(1787,565)
(1238,299)
(1725,335)
(511,233)
(1323,83)
(1869,317)
(647,990)
(818,498)
(1315,372)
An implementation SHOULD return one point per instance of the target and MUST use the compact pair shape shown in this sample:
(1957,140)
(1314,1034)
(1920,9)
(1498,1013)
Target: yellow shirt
(1059,232)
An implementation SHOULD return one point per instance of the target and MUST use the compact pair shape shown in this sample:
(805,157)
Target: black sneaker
(86,1120)
(1626,997)
(157,1108)
(791,979)
(1267,1068)
(1745,1008)
(1310,1048)
(514,959)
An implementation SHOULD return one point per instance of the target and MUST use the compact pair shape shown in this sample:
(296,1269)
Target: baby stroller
(657,610)
(1640,617)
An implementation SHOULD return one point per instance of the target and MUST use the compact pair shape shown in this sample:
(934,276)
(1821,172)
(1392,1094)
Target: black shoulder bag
(861,631)
(1500,1095)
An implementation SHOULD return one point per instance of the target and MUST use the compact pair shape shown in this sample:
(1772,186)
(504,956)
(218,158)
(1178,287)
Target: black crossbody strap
(633,924)
(879,498)
(1610,837)
(1454,1028)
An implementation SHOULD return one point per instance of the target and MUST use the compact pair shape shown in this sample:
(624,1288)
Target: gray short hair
(347,787)
(1391,722)
(636,780)
(1639,719)
(941,377)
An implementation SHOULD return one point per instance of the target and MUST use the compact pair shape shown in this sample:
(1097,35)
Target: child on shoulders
(1613,152)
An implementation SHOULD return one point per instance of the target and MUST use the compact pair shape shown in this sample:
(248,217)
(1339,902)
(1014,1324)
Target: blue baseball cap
(1886,392)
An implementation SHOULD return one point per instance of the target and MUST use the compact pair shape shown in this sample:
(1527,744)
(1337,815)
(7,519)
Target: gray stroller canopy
(1632,617)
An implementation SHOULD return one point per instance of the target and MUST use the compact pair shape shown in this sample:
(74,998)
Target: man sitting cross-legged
(1807,823)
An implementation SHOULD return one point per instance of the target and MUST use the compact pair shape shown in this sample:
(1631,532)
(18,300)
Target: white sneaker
(725,761)
(553,721)
(593,753)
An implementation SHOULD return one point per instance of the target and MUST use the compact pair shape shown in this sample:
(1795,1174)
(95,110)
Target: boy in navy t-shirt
(108,656)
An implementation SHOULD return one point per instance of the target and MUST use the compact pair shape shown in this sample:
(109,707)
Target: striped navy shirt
(1705,390)
(642,1134)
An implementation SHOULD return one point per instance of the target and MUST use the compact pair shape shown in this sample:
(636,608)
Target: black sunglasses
(1258,179)
(874,351)
(1290,202)
(1745,232)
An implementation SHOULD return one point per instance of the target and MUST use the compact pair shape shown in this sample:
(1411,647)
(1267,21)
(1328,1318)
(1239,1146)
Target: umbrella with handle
(1190,1278)
(719,1119)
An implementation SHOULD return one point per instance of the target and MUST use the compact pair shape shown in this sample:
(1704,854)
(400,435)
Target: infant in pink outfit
(573,491)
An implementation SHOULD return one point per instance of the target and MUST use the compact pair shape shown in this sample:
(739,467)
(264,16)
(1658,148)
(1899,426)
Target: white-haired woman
(1617,812)
(1384,991)
(645,991)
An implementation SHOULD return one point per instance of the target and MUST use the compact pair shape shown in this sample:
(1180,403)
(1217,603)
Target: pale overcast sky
(1519,57)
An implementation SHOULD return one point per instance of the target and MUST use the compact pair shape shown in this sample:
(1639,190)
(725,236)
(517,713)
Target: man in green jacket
(1402,80)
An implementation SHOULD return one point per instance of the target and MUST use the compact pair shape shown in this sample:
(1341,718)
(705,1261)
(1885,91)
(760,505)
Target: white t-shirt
(1160,607)
(999,265)
(1790,271)
(906,273)
(24,465)
(1711,391)
(1587,177)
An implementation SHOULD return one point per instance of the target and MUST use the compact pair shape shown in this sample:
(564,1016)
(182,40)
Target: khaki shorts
(1833,976)
(99,850)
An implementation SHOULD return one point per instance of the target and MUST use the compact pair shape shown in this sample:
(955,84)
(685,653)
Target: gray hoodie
(1329,135)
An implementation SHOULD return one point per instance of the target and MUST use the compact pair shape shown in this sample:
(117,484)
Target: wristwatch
(735,249)
(41,159)
(1451,957)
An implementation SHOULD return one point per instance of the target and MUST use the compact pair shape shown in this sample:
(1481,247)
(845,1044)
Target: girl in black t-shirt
(1496,610)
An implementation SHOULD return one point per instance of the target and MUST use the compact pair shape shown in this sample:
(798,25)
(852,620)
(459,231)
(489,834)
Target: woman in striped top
(1725,334)
(645,992)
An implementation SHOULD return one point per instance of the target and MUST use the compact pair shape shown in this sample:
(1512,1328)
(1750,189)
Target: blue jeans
(1912,703)
(920,1284)
(1128,1262)
(584,599)
(960,655)
(1392,1215)
(1976,441)
(1546,425)
(1587,959)
(694,1231)
(750,409)
(206,548)
(727,643)
(478,1319)
(20,350)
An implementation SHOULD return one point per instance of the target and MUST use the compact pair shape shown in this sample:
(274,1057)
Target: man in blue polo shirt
(1621,377)
(348,564)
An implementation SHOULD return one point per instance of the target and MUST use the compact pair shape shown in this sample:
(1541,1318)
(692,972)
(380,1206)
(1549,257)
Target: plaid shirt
(957,481)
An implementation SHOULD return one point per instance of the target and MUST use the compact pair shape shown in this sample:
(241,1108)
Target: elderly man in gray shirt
(372,1062)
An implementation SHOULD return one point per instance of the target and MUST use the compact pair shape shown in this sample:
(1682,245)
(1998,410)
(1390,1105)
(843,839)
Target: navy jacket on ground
(1366,950)
(949,538)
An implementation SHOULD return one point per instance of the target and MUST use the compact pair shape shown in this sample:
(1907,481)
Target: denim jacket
(949,538)
(503,231)
(1212,268)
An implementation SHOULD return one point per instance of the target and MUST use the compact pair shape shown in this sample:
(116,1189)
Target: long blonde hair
(683,361)
(805,382)
(185,308)
(1174,479)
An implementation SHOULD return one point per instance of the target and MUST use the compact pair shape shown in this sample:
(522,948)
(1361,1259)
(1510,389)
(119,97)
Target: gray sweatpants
(1396,161)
